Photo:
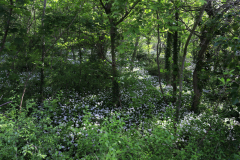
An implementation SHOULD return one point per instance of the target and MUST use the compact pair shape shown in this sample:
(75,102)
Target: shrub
(23,137)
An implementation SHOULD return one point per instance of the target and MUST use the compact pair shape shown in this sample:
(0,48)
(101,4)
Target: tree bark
(158,54)
(148,37)
(134,52)
(101,46)
(73,53)
(196,86)
(115,87)
(167,56)
(43,53)
(175,59)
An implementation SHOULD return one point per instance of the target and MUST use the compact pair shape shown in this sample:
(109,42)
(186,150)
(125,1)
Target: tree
(111,11)
(43,53)
(7,26)
(183,60)
(175,55)
(208,32)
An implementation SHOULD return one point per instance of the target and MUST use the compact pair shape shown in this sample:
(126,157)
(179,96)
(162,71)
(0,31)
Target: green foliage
(58,32)
(153,69)
(206,138)
(25,137)
(81,77)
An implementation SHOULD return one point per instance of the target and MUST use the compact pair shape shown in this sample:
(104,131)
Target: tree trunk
(80,61)
(158,54)
(197,86)
(148,42)
(207,34)
(113,30)
(43,53)
(7,27)
(134,52)
(115,85)
(100,46)
(167,56)
(73,53)
(175,60)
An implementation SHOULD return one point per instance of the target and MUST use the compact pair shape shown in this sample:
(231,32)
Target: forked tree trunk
(183,61)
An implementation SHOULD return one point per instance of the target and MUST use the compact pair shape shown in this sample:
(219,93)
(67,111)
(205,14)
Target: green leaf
(228,80)
(202,2)
(43,156)
(222,80)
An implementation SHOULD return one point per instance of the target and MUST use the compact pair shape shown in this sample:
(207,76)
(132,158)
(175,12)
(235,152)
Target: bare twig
(5,103)
(195,33)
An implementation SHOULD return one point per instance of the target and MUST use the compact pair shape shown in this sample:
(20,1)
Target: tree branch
(103,5)
(195,33)
(5,103)
(127,13)
(228,5)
